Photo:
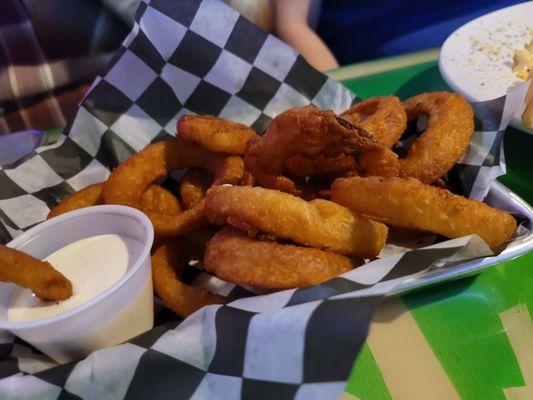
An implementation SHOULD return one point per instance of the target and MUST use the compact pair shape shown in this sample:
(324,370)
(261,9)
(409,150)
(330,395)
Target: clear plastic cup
(119,313)
(14,146)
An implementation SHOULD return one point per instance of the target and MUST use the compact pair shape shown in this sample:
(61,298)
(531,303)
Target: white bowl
(119,313)
(476,60)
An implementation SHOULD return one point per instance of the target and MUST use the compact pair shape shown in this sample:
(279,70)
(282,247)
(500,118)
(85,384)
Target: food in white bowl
(92,265)
(477,59)
(523,61)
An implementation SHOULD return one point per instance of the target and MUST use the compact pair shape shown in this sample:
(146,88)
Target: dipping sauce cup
(121,312)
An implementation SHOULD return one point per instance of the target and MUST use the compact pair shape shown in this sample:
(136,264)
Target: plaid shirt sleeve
(50,50)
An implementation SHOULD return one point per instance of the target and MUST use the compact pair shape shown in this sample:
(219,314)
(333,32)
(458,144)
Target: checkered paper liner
(294,344)
(203,57)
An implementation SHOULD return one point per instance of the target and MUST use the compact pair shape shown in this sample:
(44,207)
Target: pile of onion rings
(309,199)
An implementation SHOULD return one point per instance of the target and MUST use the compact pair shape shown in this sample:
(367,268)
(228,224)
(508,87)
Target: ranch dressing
(92,265)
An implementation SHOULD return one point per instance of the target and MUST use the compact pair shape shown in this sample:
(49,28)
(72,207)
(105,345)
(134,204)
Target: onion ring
(410,204)
(193,186)
(90,196)
(131,178)
(154,198)
(384,117)
(448,133)
(167,263)
(309,132)
(233,256)
(159,199)
(28,272)
(301,167)
(248,179)
(215,134)
(318,223)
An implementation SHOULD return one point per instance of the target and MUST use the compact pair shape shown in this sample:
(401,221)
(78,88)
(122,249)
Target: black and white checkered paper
(203,57)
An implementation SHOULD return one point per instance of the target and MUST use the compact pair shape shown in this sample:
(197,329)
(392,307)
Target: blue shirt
(361,30)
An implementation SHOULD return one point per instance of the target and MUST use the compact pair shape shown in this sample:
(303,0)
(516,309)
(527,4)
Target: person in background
(51,50)
(294,22)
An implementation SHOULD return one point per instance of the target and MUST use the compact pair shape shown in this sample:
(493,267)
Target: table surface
(469,339)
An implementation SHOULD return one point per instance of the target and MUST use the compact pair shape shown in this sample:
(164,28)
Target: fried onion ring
(407,203)
(301,167)
(193,186)
(159,199)
(90,196)
(384,117)
(309,132)
(154,198)
(131,178)
(167,264)
(233,256)
(215,134)
(448,133)
(318,223)
(248,179)
(28,272)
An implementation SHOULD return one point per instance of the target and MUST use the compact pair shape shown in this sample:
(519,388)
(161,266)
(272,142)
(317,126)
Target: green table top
(425,77)
(469,339)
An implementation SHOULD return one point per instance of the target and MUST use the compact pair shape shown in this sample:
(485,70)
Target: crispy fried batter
(131,178)
(233,256)
(168,225)
(154,198)
(448,133)
(39,276)
(215,134)
(309,132)
(159,199)
(167,264)
(90,196)
(405,202)
(193,186)
(318,223)
(382,162)
(248,179)
(384,117)
(302,167)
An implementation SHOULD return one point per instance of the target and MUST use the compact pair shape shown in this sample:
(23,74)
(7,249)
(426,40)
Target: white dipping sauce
(92,265)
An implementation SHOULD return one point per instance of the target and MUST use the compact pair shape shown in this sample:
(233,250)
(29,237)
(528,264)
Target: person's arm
(291,25)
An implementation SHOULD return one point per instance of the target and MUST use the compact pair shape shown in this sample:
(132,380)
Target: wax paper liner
(203,57)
